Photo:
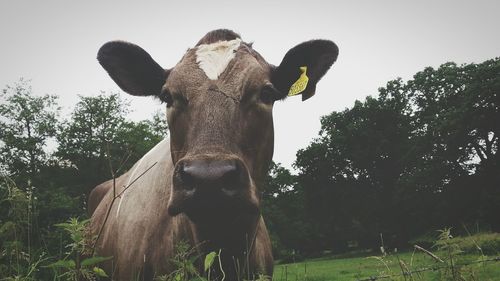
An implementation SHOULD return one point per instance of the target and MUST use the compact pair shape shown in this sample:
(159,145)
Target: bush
(426,241)
(291,256)
(480,243)
(485,243)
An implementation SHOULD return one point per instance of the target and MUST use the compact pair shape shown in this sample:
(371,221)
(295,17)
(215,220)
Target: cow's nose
(207,186)
(208,176)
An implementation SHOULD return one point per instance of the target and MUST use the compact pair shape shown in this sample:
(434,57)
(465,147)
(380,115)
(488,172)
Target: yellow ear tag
(301,84)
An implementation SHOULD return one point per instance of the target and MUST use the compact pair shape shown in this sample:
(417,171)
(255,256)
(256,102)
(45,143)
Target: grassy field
(362,268)
(455,258)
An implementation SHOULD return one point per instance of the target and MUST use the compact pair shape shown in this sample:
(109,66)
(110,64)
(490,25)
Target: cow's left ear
(303,66)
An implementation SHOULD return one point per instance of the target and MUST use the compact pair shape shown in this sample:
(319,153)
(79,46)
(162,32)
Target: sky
(54,44)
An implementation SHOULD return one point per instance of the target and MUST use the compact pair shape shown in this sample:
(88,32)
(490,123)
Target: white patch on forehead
(214,58)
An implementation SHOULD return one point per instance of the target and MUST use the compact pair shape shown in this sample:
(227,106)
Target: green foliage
(184,264)
(452,250)
(98,138)
(421,155)
(84,140)
(78,235)
(18,258)
(484,243)
(209,260)
(74,266)
(26,123)
(283,209)
(39,189)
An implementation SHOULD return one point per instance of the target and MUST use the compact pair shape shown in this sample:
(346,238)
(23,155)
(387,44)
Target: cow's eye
(166,97)
(269,94)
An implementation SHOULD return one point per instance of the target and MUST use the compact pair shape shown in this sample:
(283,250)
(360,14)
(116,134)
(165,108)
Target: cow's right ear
(132,68)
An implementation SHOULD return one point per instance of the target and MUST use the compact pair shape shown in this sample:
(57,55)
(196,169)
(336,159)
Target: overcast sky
(54,43)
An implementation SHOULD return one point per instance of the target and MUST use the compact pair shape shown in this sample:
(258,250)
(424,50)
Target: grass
(364,267)
(452,258)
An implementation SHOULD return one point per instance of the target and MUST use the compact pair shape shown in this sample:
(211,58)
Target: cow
(203,185)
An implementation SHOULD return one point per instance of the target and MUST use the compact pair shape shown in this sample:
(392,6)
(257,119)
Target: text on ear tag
(300,85)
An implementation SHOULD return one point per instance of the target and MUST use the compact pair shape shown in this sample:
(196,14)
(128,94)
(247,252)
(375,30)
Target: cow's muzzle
(205,187)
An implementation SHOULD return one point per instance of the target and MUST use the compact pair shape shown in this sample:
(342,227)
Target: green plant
(479,243)
(74,266)
(452,249)
(18,259)
(209,261)
(184,264)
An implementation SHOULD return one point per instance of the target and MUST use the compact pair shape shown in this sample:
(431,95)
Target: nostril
(230,178)
(186,177)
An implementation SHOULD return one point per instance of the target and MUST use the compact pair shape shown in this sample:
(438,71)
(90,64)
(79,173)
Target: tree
(350,174)
(98,136)
(39,189)
(420,156)
(26,124)
(458,137)
(83,141)
(283,207)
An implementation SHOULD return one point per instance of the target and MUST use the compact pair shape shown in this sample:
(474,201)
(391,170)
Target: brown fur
(97,195)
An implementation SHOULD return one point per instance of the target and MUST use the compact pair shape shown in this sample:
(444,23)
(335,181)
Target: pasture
(363,268)
(472,257)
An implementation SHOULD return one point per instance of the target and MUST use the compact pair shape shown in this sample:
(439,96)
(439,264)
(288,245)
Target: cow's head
(219,101)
